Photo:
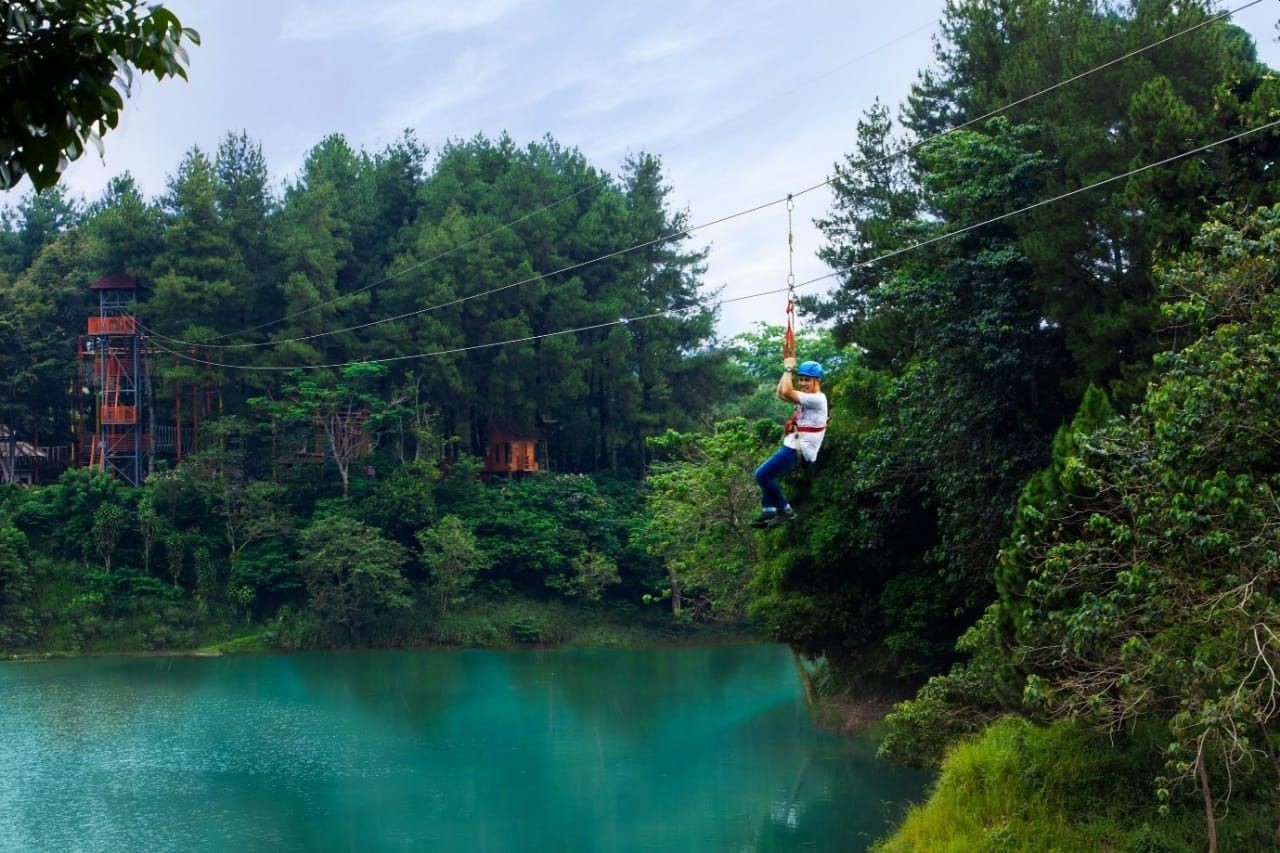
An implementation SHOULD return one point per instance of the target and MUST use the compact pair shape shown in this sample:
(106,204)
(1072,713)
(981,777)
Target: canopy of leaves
(61,62)
(1143,579)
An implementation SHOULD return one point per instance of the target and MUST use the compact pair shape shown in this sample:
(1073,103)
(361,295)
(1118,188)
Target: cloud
(469,80)
(655,102)
(656,48)
(400,20)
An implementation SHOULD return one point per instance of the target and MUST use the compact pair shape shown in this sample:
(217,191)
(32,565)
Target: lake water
(679,749)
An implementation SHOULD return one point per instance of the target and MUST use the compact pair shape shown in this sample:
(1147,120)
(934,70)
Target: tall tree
(345,409)
(245,208)
(353,577)
(45,309)
(987,339)
(452,558)
(36,222)
(191,279)
(875,199)
(699,498)
(128,228)
(507,245)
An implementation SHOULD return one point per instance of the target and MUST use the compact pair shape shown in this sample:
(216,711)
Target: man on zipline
(804,431)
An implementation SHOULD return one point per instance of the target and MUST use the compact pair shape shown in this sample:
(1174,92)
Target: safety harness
(792,426)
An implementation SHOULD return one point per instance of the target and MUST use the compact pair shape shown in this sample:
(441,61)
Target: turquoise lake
(680,749)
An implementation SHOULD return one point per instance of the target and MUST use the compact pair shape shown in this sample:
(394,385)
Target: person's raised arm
(786,389)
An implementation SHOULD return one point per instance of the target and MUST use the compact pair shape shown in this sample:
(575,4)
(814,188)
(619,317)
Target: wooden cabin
(27,464)
(512,452)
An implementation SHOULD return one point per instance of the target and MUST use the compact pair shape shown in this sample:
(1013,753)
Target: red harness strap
(791,426)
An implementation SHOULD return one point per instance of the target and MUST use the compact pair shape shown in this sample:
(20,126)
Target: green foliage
(1019,786)
(956,705)
(1043,501)
(69,508)
(66,56)
(1143,582)
(17,618)
(108,525)
(36,222)
(461,491)
(269,569)
(206,577)
(353,577)
(701,497)
(988,339)
(403,503)
(342,407)
(536,531)
(215,486)
(589,573)
(127,230)
(175,556)
(759,353)
(452,558)
(149,528)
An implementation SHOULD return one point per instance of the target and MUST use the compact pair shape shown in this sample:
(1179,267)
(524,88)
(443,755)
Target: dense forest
(341,489)
(1046,506)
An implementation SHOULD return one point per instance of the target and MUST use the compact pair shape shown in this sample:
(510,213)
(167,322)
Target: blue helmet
(810,368)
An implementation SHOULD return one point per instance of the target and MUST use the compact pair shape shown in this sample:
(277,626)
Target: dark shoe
(781,517)
(764,519)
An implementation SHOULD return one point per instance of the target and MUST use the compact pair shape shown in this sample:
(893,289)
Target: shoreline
(852,716)
(232,649)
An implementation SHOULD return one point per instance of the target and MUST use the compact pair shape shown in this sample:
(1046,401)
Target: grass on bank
(1066,787)
(127,611)
(489,623)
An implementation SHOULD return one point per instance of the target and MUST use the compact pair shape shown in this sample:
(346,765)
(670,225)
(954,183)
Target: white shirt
(813,413)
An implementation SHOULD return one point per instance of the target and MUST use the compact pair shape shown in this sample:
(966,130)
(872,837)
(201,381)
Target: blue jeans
(780,463)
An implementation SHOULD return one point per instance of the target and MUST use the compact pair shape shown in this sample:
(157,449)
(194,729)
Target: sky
(744,101)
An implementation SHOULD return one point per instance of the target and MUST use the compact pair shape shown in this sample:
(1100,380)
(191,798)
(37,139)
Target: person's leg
(771,496)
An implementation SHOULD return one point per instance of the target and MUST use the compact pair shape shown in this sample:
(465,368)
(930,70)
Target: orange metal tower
(111,366)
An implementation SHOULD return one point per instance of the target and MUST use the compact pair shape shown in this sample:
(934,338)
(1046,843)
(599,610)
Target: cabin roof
(21,449)
(507,431)
(115,281)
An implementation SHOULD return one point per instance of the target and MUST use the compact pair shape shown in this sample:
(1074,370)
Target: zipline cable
(510,225)
(993,113)
(399,273)
(673,311)
(671,236)
(684,232)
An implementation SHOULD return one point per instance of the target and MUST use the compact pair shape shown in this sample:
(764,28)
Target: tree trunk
(806,680)
(676,603)
(1208,801)
(344,471)
(11,453)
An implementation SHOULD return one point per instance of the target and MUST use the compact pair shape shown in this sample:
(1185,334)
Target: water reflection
(813,808)
(62,713)
(629,692)
(675,749)
(410,689)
